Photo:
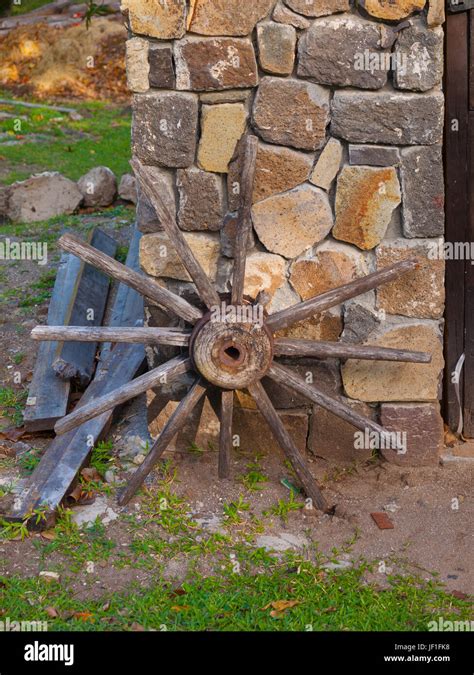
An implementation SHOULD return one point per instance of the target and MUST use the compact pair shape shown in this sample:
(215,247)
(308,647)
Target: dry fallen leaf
(84,616)
(50,535)
(91,474)
(280,606)
(180,608)
(52,612)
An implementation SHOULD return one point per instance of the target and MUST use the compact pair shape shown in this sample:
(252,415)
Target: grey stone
(147,219)
(374,155)
(278,120)
(419,58)
(359,322)
(283,14)
(160,59)
(423,425)
(276,47)
(423,191)
(127,189)
(4,198)
(98,186)
(86,515)
(332,52)
(324,374)
(201,200)
(388,117)
(164,128)
(43,196)
(284,541)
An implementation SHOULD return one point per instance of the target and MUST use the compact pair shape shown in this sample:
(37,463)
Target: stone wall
(346,99)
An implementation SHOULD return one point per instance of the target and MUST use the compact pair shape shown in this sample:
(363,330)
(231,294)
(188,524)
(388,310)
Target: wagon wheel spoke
(160,336)
(306,309)
(206,290)
(338,350)
(176,422)
(225,433)
(142,284)
(244,223)
(286,442)
(287,378)
(164,374)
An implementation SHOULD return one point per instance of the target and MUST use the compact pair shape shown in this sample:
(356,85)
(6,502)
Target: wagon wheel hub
(231,354)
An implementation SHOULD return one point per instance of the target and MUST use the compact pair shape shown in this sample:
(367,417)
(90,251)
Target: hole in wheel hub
(229,354)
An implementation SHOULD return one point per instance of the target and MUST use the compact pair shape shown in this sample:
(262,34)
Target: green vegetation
(11,404)
(101,456)
(51,141)
(254,478)
(25,6)
(302,599)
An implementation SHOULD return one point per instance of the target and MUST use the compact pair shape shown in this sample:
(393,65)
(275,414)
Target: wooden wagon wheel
(228,353)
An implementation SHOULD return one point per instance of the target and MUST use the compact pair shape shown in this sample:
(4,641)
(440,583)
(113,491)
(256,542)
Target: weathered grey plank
(48,396)
(87,306)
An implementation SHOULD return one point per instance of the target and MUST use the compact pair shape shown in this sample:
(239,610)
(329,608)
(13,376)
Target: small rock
(87,515)
(284,541)
(49,576)
(160,60)
(276,47)
(227,17)
(328,165)
(162,20)
(315,8)
(338,565)
(139,459)
(128,188)
(98,186)
(43,196)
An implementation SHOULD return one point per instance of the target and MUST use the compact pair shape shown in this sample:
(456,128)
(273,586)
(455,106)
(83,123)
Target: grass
(12,403)
(51,141)
(289,599)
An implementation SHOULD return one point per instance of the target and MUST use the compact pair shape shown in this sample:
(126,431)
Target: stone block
(423,425)
(226,17)
(276,47)
(419,58)
(221,128)
(160,63)
(423,192)
(201,200)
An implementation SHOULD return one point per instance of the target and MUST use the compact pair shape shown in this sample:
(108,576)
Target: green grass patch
(288,599)
(25,6)
(12,403)
(48,140)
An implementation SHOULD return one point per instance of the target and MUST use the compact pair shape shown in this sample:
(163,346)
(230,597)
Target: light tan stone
(419,293)
(392,11)
(436,13)
(264,272)
(159,258)
(221,128)
(283,14)
(227,17)
(365,200)
(163,20)
(319,7)
(372,381)
(328,165)
(276,47)
(278,169)
(255,436)
(292,222)
(138,68)
(332,265)
(326,326)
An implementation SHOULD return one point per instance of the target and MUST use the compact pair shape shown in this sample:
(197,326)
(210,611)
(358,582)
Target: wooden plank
(76,361)
(225,433)
(66,454)
(471,62)
(469,302)
(48,396)
(456,161)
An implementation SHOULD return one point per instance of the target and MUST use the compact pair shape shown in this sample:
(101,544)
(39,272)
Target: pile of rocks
(346,99)
(50,194)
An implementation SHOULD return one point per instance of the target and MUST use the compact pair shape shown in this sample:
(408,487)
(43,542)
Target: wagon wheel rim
(224,354)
